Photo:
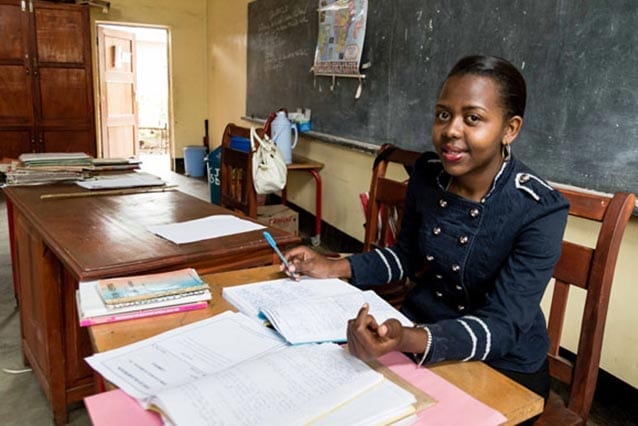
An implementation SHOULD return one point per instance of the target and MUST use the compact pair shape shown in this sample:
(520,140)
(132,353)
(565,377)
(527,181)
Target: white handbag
(269,168)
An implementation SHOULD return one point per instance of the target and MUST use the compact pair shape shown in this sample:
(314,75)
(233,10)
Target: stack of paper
(120,299)
(231,370)
(47,167)
(115,164)
(122,180)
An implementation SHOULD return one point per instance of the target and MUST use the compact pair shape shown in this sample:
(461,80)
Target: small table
(487,385)
(312,167)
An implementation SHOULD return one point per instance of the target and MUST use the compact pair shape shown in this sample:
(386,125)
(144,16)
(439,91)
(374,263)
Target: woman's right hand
(304,260)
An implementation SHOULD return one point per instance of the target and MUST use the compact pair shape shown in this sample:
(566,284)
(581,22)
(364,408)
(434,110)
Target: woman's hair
(508,77)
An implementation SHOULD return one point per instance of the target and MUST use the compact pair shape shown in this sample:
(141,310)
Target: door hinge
(30,6)
(23,5)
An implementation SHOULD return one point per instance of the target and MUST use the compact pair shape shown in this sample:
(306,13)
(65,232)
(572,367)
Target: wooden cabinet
(46,89)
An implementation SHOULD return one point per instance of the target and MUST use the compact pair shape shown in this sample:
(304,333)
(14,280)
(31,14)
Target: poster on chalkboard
(342,26)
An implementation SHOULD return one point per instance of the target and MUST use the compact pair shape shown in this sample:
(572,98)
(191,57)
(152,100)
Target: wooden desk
(57,242)
(476,378)
(300,163)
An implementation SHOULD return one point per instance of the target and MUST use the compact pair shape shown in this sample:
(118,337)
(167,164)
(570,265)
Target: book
(92,310)
(231,370)
(250,298)
(123,291)
(325,319)
(311,310)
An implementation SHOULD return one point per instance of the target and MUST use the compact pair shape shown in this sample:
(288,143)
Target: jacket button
(442,203)
(460,308)
(436,230)
(438,294)
(524,178)
(463,239)
(439,276)
(458,287)
(474,212)
(456,268)
(429,258)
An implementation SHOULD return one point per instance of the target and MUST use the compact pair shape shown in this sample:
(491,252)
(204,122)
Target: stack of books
(48,167)
(119,299)
(115,164)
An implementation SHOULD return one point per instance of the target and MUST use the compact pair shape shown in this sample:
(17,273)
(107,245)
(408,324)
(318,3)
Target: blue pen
(273,244)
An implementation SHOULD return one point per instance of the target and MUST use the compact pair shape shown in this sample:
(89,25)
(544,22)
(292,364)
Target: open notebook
(231,368)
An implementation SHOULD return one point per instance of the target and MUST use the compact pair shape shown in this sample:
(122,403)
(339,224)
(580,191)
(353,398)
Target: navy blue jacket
(480,268)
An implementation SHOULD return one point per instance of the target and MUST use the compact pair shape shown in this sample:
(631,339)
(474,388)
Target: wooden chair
(385,211)
(591,269)
(237,191)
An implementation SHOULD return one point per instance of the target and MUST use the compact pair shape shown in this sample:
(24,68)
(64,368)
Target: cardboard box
(279,216)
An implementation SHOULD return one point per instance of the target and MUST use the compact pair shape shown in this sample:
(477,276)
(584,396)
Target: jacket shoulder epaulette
(531,185)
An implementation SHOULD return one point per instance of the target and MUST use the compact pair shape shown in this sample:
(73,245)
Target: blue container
(194,160)
(239,143)
(213,165)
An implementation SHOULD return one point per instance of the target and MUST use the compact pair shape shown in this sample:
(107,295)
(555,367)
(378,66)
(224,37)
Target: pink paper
(116,408)
(453,407)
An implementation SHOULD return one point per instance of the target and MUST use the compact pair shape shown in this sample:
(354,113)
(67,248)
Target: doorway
(133,64)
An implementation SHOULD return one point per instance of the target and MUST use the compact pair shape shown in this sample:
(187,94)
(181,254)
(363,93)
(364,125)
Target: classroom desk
(476,378)
(300,163)
(57,242)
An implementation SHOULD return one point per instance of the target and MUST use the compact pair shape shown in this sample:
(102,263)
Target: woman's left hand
(368,340)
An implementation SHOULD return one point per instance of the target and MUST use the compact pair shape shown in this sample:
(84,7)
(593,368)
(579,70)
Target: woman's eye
(473,118)
(442,115)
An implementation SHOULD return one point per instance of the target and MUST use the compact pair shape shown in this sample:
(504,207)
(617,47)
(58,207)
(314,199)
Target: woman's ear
(512,129)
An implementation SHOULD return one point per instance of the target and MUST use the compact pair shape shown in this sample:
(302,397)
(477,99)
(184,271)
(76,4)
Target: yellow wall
(347,173)
(186,21)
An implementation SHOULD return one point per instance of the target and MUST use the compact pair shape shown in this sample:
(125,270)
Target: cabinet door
(64,87)
(66,140)
(16,107)
(14,142)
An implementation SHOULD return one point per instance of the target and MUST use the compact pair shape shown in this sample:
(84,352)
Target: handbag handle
(254,136)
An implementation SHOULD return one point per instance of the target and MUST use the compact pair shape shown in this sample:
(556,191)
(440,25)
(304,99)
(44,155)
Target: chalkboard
(579,57)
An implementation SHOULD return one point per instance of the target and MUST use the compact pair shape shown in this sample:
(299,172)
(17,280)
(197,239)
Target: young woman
(480,237)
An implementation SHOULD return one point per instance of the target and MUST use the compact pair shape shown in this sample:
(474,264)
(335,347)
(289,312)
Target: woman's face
(470,126)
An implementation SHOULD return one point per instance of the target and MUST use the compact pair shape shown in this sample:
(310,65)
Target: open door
(116,58)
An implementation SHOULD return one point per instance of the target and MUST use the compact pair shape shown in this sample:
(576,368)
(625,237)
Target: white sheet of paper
(326,319)
(249,298)
(380,405)
(204,228)
(184,354)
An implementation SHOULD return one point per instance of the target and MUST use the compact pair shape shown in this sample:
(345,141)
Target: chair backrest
(385,210)
(237,191)
(591,269)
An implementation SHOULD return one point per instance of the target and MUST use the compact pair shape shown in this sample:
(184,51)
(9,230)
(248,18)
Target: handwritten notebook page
(325,319)
(292,386)
(249,298)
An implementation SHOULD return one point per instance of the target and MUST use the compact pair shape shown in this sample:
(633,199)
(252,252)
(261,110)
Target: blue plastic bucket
(194,165)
